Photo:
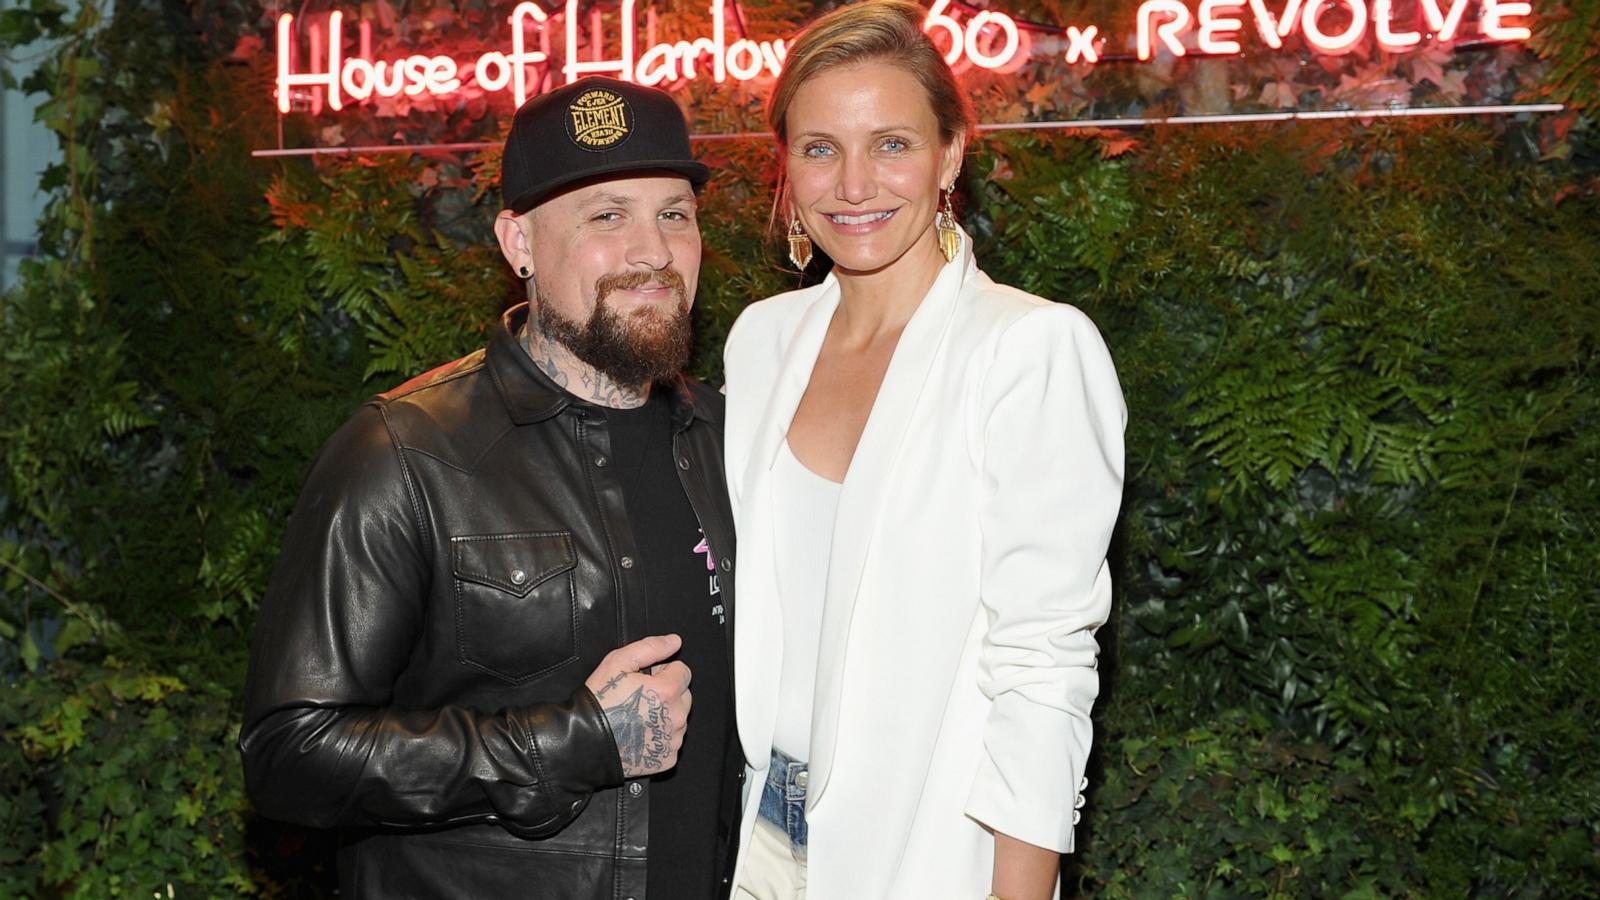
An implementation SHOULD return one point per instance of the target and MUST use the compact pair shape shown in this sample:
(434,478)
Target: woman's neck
(879,303)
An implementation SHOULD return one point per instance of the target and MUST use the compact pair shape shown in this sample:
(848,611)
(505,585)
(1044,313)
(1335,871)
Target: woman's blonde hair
(874,31)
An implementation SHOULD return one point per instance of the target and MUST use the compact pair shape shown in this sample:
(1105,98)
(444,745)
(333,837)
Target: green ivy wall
(1357,633)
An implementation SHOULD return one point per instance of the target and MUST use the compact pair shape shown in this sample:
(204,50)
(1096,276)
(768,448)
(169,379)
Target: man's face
(615,266)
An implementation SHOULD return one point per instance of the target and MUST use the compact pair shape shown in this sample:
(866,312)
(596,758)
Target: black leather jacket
(457,565)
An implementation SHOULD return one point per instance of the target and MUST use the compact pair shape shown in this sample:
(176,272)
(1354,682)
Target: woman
(925,468)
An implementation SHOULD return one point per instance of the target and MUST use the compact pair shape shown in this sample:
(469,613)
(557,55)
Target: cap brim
(697,173)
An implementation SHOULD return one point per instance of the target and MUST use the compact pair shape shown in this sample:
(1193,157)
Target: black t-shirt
(683,597)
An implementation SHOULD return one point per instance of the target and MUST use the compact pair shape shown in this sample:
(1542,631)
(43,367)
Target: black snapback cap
(593,127)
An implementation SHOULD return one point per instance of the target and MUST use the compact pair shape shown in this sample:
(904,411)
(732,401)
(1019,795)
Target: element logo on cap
(599,120)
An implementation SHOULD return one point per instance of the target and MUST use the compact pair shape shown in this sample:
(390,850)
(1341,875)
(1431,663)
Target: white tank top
(804,504)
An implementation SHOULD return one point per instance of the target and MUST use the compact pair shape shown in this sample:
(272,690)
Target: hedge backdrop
(1356,641)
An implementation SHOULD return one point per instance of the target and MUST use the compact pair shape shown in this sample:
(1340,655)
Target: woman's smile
(856,223)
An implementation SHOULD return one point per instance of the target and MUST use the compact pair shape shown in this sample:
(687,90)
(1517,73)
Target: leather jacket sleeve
(321,744)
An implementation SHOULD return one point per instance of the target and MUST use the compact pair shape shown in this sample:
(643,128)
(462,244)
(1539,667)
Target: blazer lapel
(872,471)
(758,639)
(799,355)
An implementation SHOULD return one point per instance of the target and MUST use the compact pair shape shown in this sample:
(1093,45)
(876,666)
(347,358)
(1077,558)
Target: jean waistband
(783,799)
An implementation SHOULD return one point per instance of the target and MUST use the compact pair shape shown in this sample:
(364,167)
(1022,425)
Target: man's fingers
(645,652)
(675,671)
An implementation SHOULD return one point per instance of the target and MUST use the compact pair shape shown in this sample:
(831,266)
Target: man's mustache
(627,281)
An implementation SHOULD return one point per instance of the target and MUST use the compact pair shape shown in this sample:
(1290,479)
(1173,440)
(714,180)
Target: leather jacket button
(600,461)
(635,789)
(727,565)
(518,576)
(627,562)
(683,463)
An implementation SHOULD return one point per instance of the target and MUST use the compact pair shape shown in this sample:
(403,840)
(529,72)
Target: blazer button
(727,564)
(635,789)
(1075,817)
(683,463)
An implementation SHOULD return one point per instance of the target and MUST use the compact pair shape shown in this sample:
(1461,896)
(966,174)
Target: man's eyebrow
(630,200)
(606,200)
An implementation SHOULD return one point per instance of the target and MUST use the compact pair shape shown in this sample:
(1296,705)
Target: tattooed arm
(647,710)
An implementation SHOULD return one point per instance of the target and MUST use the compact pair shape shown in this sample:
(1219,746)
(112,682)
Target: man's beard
(645,347)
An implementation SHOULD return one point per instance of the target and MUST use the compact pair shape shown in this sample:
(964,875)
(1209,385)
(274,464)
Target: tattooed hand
(648,709)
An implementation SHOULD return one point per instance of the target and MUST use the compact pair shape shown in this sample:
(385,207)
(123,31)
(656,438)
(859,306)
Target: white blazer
(968,575)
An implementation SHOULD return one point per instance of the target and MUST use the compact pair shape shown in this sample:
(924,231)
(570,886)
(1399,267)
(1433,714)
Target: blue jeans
(783,800)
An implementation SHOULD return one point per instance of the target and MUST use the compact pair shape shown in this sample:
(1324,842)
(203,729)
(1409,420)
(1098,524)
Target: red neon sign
(989,40)
(1329,27)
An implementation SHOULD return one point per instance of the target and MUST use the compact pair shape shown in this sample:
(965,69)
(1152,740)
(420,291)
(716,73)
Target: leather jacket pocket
(516,606)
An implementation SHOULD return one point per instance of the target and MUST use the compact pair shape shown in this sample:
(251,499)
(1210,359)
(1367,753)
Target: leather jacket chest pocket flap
(516,602)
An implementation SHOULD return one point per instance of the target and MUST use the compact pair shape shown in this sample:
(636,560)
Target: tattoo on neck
(576,376)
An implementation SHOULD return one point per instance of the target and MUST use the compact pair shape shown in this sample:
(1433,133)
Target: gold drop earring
(945,223)
(799,245)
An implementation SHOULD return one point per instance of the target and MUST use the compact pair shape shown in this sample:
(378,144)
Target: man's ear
(512,233)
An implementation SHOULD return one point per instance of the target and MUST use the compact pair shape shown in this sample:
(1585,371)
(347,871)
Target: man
(476,651)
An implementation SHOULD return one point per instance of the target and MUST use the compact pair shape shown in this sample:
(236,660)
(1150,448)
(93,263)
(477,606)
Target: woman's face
(865,165)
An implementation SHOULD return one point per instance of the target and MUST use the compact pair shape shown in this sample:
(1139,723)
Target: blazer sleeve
(1051,416)
(321,743)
